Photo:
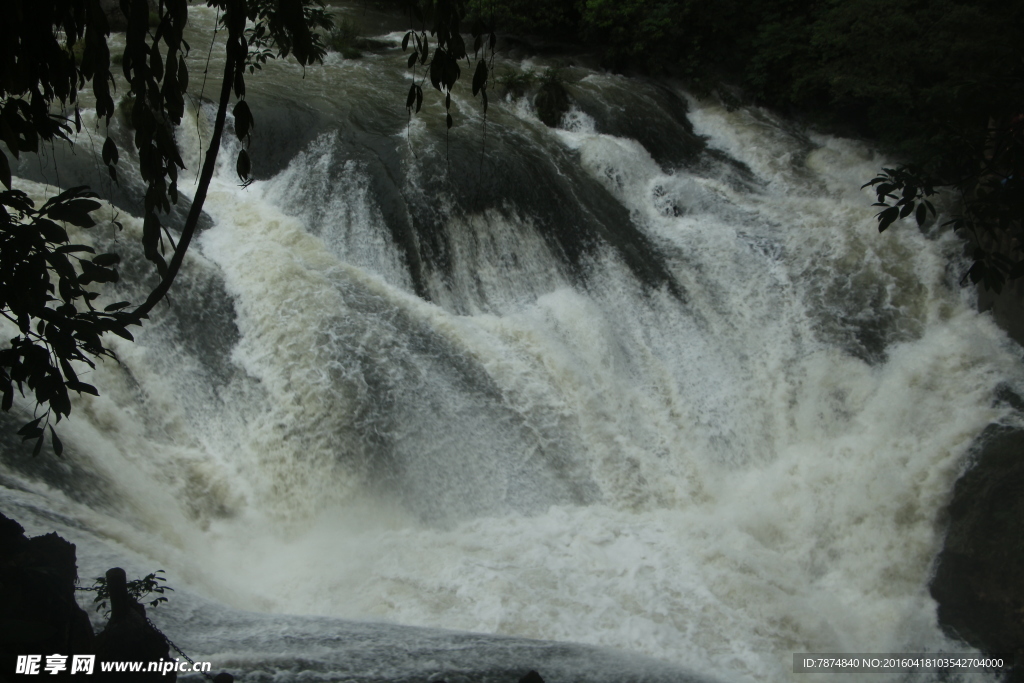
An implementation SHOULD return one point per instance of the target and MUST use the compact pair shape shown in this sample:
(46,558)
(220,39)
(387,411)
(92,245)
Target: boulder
(39,614)
(552,102)
(978,578)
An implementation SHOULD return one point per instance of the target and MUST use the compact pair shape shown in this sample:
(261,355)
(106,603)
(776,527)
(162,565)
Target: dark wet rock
(38,613)
(371,44)
(1007,307)
(283,129)
(552,103)
(655,116)
(79,168)
(977,581)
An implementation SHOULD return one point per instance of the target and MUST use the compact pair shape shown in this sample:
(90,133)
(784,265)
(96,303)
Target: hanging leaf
(110,155)
(182,76)
(480,76)
(106,260)
(29,428)
(123,333)
(156,62)
(922,213)
(73,213)
(244,121)
(243,165)
(452,70)
(58,447)
(5,171)
(886,218)
(82,387)
(239,82)
(437,68)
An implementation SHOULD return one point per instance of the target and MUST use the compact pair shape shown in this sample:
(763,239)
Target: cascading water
(649,381)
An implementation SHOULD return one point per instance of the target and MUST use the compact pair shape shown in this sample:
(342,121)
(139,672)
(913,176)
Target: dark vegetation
(342,38)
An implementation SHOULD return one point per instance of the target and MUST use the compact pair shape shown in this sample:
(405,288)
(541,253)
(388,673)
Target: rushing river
(649,381)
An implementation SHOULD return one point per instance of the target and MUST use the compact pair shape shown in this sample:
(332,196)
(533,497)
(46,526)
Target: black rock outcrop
(979,577)
(38,612)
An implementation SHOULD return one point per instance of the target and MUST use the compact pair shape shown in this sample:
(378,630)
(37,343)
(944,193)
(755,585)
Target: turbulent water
(650,381)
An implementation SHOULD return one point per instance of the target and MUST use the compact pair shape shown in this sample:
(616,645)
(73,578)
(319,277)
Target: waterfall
(649,381)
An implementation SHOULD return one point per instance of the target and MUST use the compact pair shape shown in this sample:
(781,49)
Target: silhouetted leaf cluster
(988,182)
(44,290)
(913,189)
(138,590)
(442,19)
(38,66)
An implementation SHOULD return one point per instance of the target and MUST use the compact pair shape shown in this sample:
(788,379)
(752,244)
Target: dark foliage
(139,590)
(44,280)
(441,20)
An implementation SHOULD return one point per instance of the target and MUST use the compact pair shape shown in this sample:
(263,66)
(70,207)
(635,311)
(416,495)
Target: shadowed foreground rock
(38,612)
(978,580)
(552,102)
